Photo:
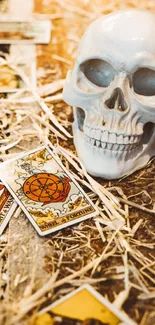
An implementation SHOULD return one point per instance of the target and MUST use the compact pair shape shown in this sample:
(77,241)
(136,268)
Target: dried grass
(109,252)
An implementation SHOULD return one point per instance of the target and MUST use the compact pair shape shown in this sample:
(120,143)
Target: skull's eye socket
(99,72)
(144,82)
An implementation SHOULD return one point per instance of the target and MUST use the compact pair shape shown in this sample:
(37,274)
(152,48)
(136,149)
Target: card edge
(121,314)
(8,216)
(21,206)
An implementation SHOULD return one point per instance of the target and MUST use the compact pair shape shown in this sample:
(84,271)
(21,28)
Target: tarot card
(84,306)
(25,58)
(7,207)
(45,191)
(29,32)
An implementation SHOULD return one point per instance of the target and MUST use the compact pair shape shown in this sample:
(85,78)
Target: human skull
(112,90)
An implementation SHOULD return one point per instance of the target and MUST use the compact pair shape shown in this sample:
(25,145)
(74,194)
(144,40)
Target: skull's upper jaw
(110,163)
(108,151)
(110,140)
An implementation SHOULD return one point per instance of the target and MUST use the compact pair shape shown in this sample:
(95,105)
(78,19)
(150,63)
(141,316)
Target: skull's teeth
(110,146)
(122,143)
(113,141)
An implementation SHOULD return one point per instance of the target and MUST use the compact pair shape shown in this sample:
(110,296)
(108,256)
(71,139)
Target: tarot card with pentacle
(45,191)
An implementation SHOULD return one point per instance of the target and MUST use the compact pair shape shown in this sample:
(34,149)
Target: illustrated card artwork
(7,207)
(84,306)
(46,192)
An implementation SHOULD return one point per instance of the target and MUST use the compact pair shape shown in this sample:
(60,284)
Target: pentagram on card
(47,188)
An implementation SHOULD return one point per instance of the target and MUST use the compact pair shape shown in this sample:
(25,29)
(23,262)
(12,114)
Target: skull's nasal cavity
(117,100)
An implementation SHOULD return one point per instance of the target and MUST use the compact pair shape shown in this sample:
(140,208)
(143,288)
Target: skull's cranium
(112,89)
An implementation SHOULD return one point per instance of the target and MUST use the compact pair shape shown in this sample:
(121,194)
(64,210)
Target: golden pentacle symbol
(47,188)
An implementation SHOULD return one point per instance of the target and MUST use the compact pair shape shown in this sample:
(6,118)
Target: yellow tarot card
(84,306)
